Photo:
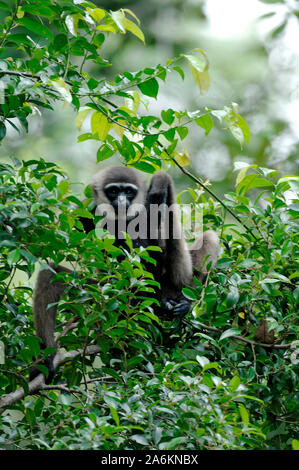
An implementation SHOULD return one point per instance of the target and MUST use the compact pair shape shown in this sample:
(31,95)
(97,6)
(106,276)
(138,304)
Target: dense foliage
(150,387)
(222,378)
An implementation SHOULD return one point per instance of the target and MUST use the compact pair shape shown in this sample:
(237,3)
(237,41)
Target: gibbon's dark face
(120,195)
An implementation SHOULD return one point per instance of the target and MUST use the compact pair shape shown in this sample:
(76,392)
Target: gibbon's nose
(122,202)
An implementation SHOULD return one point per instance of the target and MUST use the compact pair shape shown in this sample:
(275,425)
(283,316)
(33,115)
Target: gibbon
(149,214)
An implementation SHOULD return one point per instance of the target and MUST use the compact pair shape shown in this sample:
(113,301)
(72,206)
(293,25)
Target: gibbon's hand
(177,308)
(158,192)
(182,308)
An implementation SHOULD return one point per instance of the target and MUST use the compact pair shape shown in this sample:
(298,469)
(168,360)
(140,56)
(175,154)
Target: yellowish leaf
(97,13)
(200,69)
(100,125)
(20,13)
(132,14)
(134,102)
(182,158)
(119,18)
(119,129)
(134,29)
(126,109)
(62,88)
(81,117)
(106,27)
(72,23)
(202,79)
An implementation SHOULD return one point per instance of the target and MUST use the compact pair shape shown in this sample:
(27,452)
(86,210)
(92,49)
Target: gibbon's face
(120,195)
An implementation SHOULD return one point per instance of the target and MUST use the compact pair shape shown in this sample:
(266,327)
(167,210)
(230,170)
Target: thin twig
(246,340)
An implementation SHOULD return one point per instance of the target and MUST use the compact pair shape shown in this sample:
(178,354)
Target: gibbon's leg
(45,293)
(204,254)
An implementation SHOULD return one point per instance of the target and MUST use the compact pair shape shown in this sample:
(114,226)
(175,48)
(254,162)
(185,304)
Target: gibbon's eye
(112,191)
(130,192)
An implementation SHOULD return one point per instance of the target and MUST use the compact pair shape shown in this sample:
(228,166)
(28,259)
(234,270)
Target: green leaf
(242,173)
(168,116)
(104,152)
(234,383)
(183,132)
(133,103)
(13,257)
(63,187)
(206,122)
(244,414)
(60,41)
(173,443)
(87,136)
(232,297)
(36,9)
(82,213)
(190,293)
(2,130)
(140,439)
(294,275)
(252,181)
(149,140)
(114,415)
(169,134)
(180,71)
(36,27)
(229,332)
(126,10)
(149,87)
(244,128)
(144,166)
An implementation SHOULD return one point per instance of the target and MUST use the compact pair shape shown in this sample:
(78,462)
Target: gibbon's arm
(178,263)
(175,267)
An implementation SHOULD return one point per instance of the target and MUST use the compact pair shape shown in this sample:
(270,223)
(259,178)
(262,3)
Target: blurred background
(253,51)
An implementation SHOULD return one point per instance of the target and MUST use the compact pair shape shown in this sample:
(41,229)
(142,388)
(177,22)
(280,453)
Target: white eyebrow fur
(121,185)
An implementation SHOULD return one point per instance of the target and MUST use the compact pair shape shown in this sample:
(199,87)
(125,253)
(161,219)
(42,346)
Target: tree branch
(38,383)
(246,340)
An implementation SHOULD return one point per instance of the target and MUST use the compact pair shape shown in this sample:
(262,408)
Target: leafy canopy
(210,382)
